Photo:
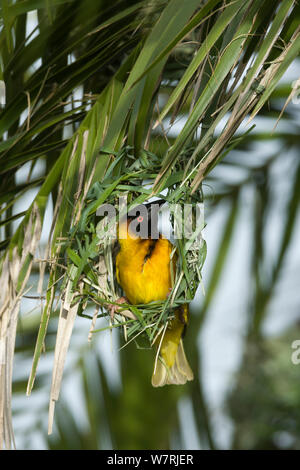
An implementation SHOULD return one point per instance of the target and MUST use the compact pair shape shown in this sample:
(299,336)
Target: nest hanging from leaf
(92,245)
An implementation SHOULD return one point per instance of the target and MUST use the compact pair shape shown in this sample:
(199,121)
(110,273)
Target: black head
(143,219)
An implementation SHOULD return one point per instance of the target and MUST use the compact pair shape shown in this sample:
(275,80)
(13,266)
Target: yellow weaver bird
(143,271)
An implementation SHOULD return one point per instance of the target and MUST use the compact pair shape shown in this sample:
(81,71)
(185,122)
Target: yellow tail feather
(178,373)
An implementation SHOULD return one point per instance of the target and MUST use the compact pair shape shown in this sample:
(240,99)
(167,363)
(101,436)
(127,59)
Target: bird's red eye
(140,218)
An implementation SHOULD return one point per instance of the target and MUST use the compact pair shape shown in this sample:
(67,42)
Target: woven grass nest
(92,245)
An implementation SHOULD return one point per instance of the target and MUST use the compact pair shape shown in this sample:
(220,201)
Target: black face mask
(144,220)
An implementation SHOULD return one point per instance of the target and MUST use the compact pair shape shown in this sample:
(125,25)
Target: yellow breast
(143,269)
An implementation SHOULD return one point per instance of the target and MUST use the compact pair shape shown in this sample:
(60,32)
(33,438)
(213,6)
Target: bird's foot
(170,290)
(114,308)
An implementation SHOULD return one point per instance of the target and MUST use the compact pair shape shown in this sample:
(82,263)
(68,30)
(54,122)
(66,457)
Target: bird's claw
(170,290)
(114,308)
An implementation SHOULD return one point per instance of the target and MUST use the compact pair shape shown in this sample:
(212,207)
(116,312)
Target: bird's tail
(171,366)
